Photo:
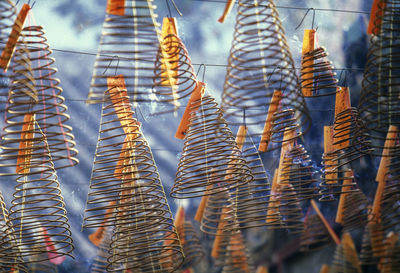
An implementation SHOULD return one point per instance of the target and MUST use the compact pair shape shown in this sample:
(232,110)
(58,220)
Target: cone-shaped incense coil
(373,244)
(38,211)
(355,210)
(391,207)
(8,243)
(100,262)
(174,76)
(379,105)
(345,259)
(297,172)
(210,155)
(128,45)
(317,74)
(290,211)
(259,63)
(191,244)
(315,235)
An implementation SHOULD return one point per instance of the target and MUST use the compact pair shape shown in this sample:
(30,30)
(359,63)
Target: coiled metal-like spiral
(345,259)
(8,244)
(191,244)
(128,45)
(210,156)
(373,243)
(125,180)
(349,145)
(355,210)
(36,91)
(315,235)
(38,211)
(290,211)
(259,63)
(100,261)
(317,74)
(172,87)
(379,105)
(391,263)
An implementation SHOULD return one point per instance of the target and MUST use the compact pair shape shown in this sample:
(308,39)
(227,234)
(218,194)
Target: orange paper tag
(376,15)
(273,107)
(307,66)
(262,269)
(390,142)
(170,53)
(202,205)
(330,174)
(97,237)
(324,269)
(116,7)
(237,252)
(227,10)
(9,49)
(220,231)
(26,144)
(241,136)
(325,222)
(197,94)
(273,210)
(287,145)
(346,188)
(342,104)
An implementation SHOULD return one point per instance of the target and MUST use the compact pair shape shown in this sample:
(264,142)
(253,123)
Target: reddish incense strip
(170,60)
(273,107)
(307,67)
(26,144)
(325,222)
(116,7)
(227,10)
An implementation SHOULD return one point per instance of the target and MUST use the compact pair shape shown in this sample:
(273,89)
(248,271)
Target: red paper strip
(375,17)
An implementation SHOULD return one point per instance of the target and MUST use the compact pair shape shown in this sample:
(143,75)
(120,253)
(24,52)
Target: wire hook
(116,68)
(175,6)
(204,71)
(304,17)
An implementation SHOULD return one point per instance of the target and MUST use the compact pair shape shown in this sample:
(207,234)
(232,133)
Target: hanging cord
(204,71)
(116,68)
(175,6)
(304,17)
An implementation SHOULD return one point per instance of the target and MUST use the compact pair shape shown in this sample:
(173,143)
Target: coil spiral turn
(210,156)
(345,259)
(314,235)
(373,244)
(35,91)
(379,105)
(170,87)
(8,244)
(355,210)
(259,63)
(349,145)
(191,244)
(290,211)
(38,211)
(125,180)
(128,44)
(100,261)
(316,73)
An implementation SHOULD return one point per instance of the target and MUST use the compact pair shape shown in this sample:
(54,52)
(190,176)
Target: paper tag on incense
(170,52)
(375,17)
(331,175)
(220,231)
(273,210)
(390,142)
(9,49)
(26,144)
(307,66)
(346,188)
(116,7)
(287,144)
(241,136)
(197,94)
(228,8)
(237,252)
(266,134)
(342,104)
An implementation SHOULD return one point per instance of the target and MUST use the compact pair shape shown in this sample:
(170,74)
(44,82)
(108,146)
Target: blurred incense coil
(100,261)
(379,105)
(282,121)
(8,244)
(297,172)
(128,45)
(290,211)
(355,210)
(317,74)
(315,235)
(373,243)
(259,63)
(170,88)
(345,259)
(191,244)
(35,91)
(37,210)
(210,156)
(391,207)
(391,262)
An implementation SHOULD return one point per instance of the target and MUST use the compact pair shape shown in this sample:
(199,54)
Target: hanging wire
(304,17)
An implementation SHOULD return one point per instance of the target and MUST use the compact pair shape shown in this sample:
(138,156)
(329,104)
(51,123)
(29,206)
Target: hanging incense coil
(192,248)
(355,210)
(171,87)
(391,263)
(345,259)
(298,172)
(317,74)
(128,45)
(315,235)
(290,211)
(391,207)
(379,106)
(8,244)
(100,261)
(210,156)
(38,211)
(282,121)
(373,243)
(259,63)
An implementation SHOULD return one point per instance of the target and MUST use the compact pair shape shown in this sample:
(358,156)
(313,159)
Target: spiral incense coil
(355,210)
(8,244)
(379,105)
(315,235)
(298,172)
(391,263)
(100,261)
(38,211)
(345,258)
(373,243)
(218,214)
(391,208)
(282,121)
(169,87)
(290,209)
(191,244)
(210,156)
(128,45)
(317,73)
(259,63)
